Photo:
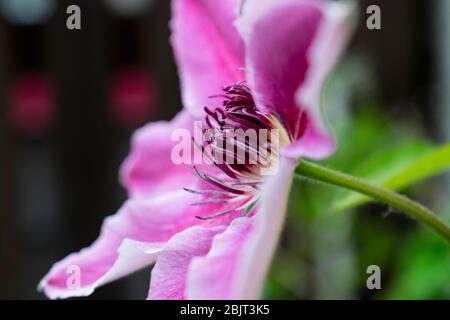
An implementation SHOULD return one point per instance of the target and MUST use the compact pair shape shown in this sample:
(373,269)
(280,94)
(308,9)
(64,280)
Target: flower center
(242,143)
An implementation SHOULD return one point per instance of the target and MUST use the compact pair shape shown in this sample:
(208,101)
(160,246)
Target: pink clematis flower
(242,64)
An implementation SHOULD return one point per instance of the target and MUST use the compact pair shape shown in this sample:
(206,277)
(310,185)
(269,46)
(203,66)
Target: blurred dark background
(70,99)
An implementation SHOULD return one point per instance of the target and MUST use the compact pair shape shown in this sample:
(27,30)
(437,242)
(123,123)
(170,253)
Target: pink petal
(214,276)
(327,47)
(207,48)
(237,264)
(128,241)
(276,61)
(149,168)
(313,144)
(285,69)
(168,278)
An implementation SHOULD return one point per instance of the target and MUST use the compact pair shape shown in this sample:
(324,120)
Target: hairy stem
(317,172)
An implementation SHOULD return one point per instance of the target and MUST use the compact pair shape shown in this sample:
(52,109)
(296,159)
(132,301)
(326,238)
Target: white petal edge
(261,246)
(331,39)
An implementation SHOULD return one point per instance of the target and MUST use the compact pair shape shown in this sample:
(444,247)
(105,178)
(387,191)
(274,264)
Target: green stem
(319,173)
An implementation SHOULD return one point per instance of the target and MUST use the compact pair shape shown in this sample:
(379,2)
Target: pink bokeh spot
(32,103)
(133,95)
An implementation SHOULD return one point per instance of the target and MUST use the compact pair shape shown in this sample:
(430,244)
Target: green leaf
(397,170)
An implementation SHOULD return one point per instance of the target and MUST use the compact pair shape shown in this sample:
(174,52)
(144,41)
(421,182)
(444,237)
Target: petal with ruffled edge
(208,49)
(128,241)
(332,37)
(286,65)
(149,169)
(168,279)
(236,265)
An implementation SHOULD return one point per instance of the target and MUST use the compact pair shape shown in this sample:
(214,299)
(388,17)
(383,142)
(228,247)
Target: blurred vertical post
(442,66)
(3,187)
